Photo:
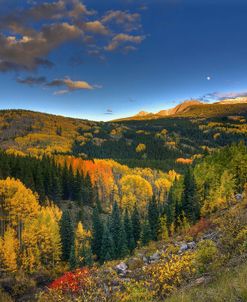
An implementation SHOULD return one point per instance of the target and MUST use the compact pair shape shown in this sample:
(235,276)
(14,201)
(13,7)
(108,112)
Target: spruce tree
(88,194)
(115,228)
(67,235)
(153,218)
(129,232)
(107,249)
(86,255)
(190,203)
(122,247)
(136,225)
(97,233)
(77,187)
(56,190)
(66,182)
(72,258)
(39,183)
(146,235)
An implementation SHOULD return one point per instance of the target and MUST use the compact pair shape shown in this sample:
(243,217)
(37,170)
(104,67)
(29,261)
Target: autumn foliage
(72,281)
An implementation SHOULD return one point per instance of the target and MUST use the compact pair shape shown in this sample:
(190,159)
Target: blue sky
(102,60)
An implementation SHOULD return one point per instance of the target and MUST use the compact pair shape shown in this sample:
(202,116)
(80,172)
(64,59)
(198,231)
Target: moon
(208,78)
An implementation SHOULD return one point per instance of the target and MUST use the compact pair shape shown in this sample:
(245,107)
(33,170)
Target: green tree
(129,232)
(97,233)
(153,218)
(72,258)
(115,228)
(190,203)
(67,235)
(107,249)
(146,235)
(136,225)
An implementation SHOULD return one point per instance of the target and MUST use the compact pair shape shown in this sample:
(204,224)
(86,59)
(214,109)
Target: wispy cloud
(109,111)
(121,39)
(217,96)
(28,36)
(67,84)
(128,21)
(71,85)
(32,80)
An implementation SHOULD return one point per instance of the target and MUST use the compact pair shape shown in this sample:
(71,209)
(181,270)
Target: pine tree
(190,203)
(88,190)
(146,233)
(72,258)
(153,218)
(122,248)
(129,232)
(97,233)
(163,230)
(86,255)
(56,190)
(39,183)
(66,183)
(136,225)
(77,187)
(115,228)
(67,235)
(107,249)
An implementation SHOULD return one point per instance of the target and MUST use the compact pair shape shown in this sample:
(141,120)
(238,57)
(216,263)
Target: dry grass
(230,286)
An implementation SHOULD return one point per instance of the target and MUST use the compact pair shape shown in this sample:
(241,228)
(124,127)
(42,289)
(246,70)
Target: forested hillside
(149,234)
(118,211)
(165,143)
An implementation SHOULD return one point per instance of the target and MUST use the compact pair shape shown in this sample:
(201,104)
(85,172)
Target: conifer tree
(67,235)
(163,230)
(136,225)
(66,183)
(153,218)
(146,235)
(56,191)
(115,228)
(97,233)
(88,190)
(86,255)
(190,203)
(107,249)
(122,245)
(129,232)
(77,187)
(72,258)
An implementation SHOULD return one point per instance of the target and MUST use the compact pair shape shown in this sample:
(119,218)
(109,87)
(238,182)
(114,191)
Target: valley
(122,203)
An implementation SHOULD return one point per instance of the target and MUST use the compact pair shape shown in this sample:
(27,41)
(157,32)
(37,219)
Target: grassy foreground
(230,286)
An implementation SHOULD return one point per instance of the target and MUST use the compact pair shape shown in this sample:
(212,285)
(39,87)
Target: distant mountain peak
(234,101)
(142,113)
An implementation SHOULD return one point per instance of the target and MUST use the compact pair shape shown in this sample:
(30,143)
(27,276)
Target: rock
(134,263)
(155,257)
(183,247)
(121,268)
(191,245)
(145,259)
(200,280)
(239,197)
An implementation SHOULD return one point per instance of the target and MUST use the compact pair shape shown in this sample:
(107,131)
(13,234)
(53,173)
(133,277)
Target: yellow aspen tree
(163,231)
(135,190)
(9,250)
(49,236)
(82,239)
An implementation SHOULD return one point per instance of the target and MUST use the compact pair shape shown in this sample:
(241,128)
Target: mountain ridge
(185,107)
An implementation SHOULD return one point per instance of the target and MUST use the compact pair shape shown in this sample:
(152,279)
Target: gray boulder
(191,245)
(121,268)
(155,257)
(183,247)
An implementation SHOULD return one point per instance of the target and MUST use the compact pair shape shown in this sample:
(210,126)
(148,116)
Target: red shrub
(201,226)
(72,281)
